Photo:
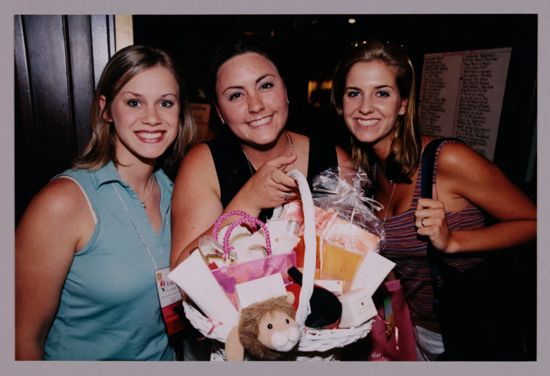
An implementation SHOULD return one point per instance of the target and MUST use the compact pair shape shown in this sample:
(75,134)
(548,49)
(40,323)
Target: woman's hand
(464,177)
(431,222)
(271,186)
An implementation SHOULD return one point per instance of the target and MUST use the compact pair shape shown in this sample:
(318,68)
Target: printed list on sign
(461,95)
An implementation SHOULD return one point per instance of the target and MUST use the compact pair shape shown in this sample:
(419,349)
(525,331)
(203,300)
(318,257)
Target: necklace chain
(389,202)
(291,144)
(376,169)
(141,237)
(148,194)
(292,153)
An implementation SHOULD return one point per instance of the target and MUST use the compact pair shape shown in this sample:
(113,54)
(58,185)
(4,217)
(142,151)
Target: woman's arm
(54,225)
(196,198)
(465,176)
(195,202)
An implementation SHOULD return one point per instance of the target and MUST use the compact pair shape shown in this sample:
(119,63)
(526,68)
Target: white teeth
(367,122)
(150,135)
(260,122)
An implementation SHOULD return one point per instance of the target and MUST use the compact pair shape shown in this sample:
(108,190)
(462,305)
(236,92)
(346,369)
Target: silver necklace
(291,144)
(389,202)
(148,194)
(292,152)
(391,195)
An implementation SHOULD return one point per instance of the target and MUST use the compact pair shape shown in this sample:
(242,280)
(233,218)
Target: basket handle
(244,218)
(308,274)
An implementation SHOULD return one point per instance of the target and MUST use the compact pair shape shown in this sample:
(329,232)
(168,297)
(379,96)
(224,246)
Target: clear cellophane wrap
(345,223)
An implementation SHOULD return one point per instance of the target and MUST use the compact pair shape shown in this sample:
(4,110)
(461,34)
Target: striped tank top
(408,251)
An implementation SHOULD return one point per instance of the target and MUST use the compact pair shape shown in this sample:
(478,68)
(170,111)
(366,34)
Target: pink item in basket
(239,272)
(231,275)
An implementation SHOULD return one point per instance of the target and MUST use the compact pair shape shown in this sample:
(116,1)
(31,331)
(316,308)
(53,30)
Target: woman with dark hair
(245,168)
(374,92)
(90,243)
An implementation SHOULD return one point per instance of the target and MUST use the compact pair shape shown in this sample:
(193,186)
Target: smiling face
(371,103)
(252,98)
(145,113)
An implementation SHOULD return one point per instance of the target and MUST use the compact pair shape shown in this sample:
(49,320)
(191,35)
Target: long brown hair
(406,144)
(121,68)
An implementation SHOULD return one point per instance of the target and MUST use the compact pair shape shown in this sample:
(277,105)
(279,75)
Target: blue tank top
(109,307)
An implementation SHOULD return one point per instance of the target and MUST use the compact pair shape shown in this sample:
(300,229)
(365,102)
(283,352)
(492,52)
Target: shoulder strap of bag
(426,187)
(428,161)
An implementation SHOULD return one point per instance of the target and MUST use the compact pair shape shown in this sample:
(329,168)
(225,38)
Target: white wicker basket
(311,340)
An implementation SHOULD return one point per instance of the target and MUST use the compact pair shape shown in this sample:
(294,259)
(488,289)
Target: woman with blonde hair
(374,92)
(90,243)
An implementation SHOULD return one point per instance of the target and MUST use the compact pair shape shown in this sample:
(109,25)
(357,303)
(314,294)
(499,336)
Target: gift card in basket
(257,290)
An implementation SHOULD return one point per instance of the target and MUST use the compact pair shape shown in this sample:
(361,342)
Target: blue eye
(352,93)
(133,103)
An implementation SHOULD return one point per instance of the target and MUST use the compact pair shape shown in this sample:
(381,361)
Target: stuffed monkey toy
(266,330)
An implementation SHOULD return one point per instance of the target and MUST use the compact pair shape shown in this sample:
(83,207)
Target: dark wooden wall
(58,61)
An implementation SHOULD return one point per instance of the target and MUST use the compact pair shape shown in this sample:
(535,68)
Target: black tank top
(234,171)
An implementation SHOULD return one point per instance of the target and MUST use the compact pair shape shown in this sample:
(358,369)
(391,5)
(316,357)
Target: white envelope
(260,289)
(371,272)
(195,278)
(357,307)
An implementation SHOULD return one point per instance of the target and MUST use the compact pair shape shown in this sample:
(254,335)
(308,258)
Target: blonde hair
(121,68)
(404,156)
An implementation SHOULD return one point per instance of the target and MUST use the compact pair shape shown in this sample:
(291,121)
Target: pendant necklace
(148,194)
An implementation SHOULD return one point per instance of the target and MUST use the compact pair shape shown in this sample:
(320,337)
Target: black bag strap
(435,260)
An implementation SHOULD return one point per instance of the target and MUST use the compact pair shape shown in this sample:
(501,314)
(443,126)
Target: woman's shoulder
(62,193)
(455,159)
(199,149)
(62,201)
(198,164)
(198,154)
